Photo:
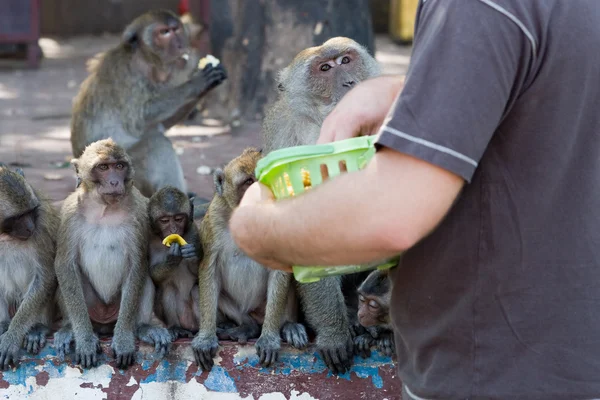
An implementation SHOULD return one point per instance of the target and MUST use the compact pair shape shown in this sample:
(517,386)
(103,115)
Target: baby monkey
(373,315)
(174,269)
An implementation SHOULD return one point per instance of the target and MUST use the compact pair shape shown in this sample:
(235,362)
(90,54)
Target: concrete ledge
(236,375)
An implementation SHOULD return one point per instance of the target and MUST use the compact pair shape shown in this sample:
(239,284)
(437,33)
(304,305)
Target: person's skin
(356,218)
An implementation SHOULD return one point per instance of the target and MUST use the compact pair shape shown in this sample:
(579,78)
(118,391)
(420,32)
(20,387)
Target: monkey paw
(158,336)
(62,342)
(9,351)
(123,345)
(385,344)
(178,332)
(35,339)
(205,349)
(211,77)
(295,334)
(87,350)
(362,345)
(337,351)
(267,348)
(188,251)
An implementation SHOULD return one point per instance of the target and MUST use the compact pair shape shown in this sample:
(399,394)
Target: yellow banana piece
(173,238)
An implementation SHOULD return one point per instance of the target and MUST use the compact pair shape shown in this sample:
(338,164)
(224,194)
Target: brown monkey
(236,284)
(310,87)
(174,269)
(102,260)
(374,296)
(28,225)
(139,89)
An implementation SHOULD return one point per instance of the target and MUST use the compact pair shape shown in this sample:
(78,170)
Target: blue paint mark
(219,380)
(167,371)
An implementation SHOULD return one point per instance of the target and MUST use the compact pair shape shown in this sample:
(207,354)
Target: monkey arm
(356,218)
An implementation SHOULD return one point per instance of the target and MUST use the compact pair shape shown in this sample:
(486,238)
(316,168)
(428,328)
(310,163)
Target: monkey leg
(4,316)
(146,331)
(292,331)
(325,310)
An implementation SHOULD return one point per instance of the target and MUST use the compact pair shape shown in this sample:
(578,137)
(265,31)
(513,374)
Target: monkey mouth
(113,197)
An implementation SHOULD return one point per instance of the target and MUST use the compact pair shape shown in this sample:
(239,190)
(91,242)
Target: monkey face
(232,182)
(21,226)
(170,40)
(371,312)
(111,177)
(18,206)
(172,224)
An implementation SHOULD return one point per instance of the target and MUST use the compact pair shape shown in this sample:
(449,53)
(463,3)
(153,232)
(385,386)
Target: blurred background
(44,46)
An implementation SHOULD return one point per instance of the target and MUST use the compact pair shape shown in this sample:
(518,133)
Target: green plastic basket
(284,172)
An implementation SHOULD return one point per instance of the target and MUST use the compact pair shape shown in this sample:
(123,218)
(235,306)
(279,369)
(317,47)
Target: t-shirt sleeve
(468,65)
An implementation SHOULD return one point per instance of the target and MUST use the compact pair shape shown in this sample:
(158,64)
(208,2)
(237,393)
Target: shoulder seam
(517,21)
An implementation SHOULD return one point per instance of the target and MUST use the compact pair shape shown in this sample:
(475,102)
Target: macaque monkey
(174,269)
(102,260)
(140,88)
(234,284)
(28,225)
(309,88)
(374,296)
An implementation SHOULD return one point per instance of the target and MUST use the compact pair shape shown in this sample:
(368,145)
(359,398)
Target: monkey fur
(309,88)
(102,260)
(236,285)
(174,269)
(28,226)
(373,316)
(139,89)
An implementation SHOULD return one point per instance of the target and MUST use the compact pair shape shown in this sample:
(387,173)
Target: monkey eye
(373,304)
(345,60)
(249,181)
(120,165)
(102,167)
(325,67)
(361,298)
(164,220)
(179,218)
(164,31)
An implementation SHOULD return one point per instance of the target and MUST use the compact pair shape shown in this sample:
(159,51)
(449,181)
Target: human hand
(257,193)
(362,110)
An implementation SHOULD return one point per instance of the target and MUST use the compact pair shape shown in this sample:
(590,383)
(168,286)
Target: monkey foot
(385,344)
(205,350)
(337,352)
(158,336)
(35,339)
(295,334)
(241,333)
(178,332)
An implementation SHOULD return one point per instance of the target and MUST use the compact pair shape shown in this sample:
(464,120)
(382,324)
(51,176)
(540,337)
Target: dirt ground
(35,110)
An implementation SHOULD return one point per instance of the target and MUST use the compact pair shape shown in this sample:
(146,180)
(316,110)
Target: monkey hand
(385,343)
(295,334)
(123,345)
(337,354)
(62,341)
(174,254)
(188,251)
(87,350)
(205,350)
(267,348)
(208,78)
(35,339)
(9,351)
(362,345)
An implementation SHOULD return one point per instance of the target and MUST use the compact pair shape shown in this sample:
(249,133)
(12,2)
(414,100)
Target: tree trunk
(254,39)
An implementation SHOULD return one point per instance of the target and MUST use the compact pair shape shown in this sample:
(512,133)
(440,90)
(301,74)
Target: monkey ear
(78,182)
(218,177)
(130,34)
(75,164)
(281,87)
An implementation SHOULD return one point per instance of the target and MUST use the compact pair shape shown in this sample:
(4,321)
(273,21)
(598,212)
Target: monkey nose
(349,83)
(114,183)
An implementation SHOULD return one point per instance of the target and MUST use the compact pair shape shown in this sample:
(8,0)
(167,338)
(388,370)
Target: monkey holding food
(309,88)
(102,260)
(28,226)
(175,252)
(237,286)
(140,88)
(374,296)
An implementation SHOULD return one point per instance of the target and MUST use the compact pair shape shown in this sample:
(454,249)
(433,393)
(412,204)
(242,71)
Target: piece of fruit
(306,178)
(209,59)
(172,239)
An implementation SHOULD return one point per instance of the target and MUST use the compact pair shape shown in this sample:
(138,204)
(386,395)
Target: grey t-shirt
(502,300)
